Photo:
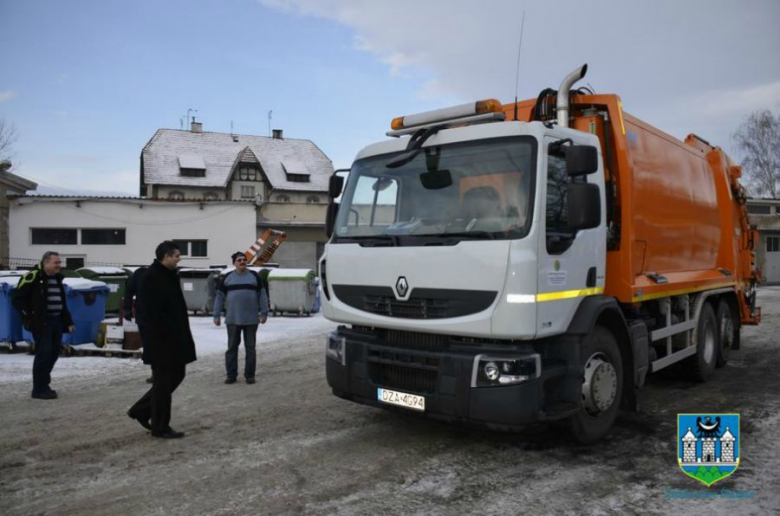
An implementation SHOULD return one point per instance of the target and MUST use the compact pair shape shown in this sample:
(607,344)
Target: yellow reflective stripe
(670,293)
(568,294)
(620,112)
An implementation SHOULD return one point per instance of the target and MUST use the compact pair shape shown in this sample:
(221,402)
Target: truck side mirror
(584,206)
(335,186)
(581,160)
(330,217)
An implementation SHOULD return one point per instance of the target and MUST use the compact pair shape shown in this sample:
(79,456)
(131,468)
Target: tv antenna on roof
(190,110)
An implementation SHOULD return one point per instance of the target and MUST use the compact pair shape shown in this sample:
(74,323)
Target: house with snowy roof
(286,179)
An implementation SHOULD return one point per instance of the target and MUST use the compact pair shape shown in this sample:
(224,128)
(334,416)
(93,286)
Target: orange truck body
(676,210)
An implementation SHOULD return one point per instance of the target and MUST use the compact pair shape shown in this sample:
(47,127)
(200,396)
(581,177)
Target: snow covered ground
(209,340)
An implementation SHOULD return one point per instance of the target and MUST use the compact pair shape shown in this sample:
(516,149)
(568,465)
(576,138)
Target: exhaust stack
(562,103)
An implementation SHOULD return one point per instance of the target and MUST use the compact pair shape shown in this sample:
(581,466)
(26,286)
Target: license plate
(402,399)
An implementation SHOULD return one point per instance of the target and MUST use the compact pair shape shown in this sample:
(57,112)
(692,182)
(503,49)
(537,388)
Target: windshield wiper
(477,235)
(376,241)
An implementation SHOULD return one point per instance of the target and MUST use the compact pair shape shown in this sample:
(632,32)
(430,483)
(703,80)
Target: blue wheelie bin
(86,302)
(10,321)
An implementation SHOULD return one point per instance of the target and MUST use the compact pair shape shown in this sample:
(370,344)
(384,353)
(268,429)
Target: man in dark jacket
(40,299)
(168,342)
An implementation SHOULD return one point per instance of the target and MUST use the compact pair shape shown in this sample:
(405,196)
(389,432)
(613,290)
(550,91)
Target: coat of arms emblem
(708,445)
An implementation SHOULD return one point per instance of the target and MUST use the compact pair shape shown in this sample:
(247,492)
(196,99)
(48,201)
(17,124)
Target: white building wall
(226,226)
(258,185)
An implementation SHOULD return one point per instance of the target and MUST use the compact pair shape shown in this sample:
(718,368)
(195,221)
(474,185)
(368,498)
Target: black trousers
(47,350)
(156,403)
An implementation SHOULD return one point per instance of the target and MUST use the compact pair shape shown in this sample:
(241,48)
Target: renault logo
(401,286)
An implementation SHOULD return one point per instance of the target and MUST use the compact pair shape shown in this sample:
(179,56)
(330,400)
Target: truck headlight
(336,348)
(497,371)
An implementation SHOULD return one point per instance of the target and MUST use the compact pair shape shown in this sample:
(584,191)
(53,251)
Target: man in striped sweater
(40,299)
(246,296)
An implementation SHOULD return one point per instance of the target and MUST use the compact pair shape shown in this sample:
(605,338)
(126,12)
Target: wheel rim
(599,388)
(709,343)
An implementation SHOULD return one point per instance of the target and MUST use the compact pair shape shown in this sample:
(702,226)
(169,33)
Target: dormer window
(282,198)
(296,171)
(192,166)
(248,172)
(298,178)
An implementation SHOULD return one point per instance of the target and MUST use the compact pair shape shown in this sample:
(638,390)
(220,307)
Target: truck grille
(418,308)
(402,371)
(423,303)
(413,340)
(403,378)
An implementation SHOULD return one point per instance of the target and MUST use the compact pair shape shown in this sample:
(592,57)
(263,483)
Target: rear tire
(702,364)
(728,331)
(602,388)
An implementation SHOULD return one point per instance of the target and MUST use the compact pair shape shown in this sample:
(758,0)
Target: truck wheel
(602,387)
(728,330)
(702,364)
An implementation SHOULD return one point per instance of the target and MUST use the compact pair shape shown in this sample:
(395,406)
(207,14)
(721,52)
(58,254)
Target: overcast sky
(88,82)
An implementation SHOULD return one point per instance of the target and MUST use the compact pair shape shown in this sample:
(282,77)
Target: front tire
(602,388)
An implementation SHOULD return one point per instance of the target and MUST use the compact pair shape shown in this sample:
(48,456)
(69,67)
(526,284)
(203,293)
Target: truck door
(571,263)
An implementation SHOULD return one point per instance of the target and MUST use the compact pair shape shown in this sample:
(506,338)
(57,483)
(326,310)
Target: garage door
(772,269)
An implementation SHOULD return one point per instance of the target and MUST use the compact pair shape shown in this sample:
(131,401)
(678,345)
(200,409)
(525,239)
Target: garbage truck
(510,264)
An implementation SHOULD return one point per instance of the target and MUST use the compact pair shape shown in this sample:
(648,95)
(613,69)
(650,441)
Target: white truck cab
(457,255)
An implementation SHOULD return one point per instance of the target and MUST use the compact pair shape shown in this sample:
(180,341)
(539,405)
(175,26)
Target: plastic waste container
(116,279)
(10,320)
(292,291)
(199,288)
(317,302)
(86,301)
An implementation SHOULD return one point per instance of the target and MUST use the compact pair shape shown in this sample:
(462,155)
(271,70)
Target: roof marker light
(445,114)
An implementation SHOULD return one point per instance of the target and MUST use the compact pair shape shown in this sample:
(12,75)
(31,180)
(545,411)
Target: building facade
(125,231)
(287,179)
(10,184)
(765,215)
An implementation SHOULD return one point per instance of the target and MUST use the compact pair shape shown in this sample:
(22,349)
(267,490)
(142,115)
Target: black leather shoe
(230,381)
(250,380)
(48,395)
(169,434)
(144,423)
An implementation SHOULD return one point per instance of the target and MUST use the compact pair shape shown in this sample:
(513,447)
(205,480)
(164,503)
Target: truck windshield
(462,191)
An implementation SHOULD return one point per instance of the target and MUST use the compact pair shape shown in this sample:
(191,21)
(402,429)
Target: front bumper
(442,369)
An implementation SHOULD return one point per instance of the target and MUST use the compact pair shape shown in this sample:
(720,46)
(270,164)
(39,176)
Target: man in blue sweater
(246,296)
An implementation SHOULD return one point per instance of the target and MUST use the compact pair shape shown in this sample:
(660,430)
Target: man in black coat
(40,299)
(168,342)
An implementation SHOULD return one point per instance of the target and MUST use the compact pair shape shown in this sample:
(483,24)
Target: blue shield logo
(708,445)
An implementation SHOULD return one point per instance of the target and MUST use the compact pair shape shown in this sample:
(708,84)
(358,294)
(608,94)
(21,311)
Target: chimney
(278,134)
(196,127)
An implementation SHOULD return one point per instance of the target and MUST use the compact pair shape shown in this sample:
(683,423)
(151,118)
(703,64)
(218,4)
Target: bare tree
(759,139)
(8,137)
